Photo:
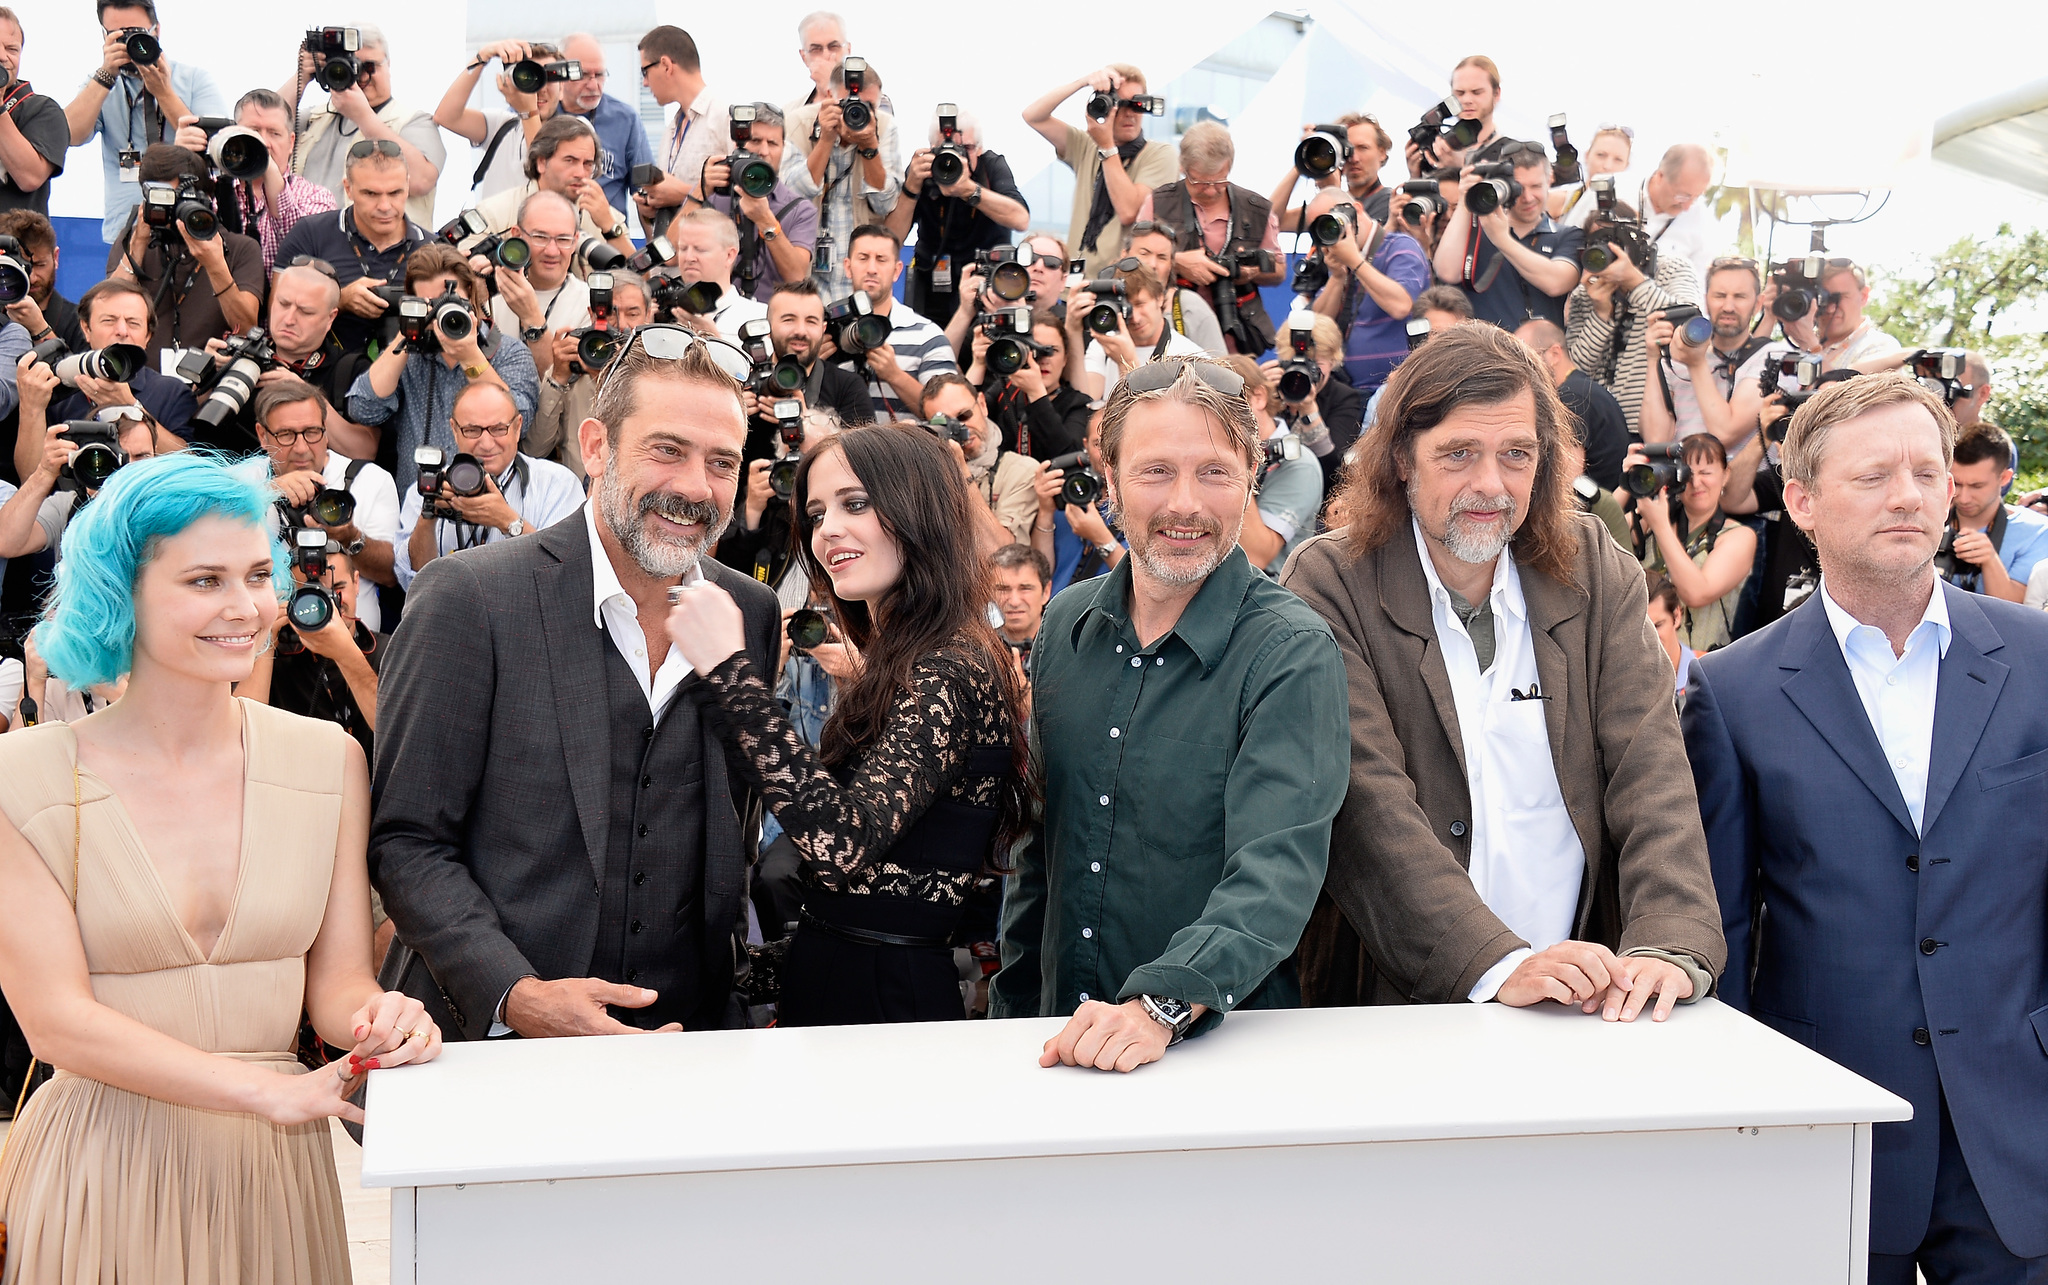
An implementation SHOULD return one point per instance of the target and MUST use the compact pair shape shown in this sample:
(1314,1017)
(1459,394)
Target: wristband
(104,78)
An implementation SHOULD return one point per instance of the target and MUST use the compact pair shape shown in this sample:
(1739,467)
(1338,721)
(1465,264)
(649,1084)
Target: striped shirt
(921,349)
(1590,339)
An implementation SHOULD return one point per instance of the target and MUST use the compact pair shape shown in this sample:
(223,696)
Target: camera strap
(491,152)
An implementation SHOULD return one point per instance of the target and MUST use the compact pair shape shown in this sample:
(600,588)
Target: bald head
(1546,340)
(311,283)
(484,402)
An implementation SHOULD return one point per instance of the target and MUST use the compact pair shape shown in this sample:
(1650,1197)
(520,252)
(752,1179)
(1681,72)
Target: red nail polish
(371,1065)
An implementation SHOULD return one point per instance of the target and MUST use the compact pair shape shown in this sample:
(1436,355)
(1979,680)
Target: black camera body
(1311,275)
(770,375)
(463,475)
(1665,470)
(511,253)
(1080,484)
(596,345)
(670,294)
(645,175)
(1006,269)
(856,114)
(1323,152)
(1275,451)
(950,161)
(1112,302)
(310,606)
(1010,345)
(143,49)
(329,506)
(530,75)
(228,387)
(789,430)
(425,323)
(1799,288)
(855,329)
(1689,325)
(1442,123)
(14,271)
(1497,187)
(1943,372)
(1299,370)
(1101,105)
(1610,236)
(1565,170)
(99,453)
(1946,564)
(809,627)
(335,49)
(165,205)
(747,174)
(1425,200)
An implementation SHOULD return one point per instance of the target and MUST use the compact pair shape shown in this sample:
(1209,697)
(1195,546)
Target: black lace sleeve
(838,830)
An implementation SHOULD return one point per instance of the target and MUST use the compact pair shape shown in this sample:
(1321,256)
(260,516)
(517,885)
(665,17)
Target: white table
(1453,1143)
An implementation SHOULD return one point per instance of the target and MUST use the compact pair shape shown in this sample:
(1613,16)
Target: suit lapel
(1965,695)
(1404,596)
(576,671)
(1823,690)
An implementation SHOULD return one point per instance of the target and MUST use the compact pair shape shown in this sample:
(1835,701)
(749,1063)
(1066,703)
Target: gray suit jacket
(1399,920)
(493,794)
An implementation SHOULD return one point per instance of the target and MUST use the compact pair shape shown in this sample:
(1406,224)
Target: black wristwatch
(354,547)
(974,197)
(532,334)
(869,153)
(1172,1014)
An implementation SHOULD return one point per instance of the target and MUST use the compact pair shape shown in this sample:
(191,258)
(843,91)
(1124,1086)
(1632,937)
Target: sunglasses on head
(321,266)
(666,341)
(1163,373)
(369,145)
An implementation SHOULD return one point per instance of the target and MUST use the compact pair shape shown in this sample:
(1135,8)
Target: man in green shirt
(1192,725)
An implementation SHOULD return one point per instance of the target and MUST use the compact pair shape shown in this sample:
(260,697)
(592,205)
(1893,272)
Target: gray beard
(1179,571)
(1465,544)
(662,557)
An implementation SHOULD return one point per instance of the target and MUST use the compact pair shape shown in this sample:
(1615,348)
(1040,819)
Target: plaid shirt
(295,200)
(845,201)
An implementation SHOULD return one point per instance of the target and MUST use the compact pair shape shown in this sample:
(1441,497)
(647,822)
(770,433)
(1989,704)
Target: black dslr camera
(425,323)
(1442,122)
(1007,270)
(329,507)
(1299,370)
(1275,451)
(1611,235)
(310,606)
(1799,288)
(857,114)
(1323,152)
(950,161)
(769,375)
(752,175)
(236,152)
(789,430)
(670,293)
(334,49)
(1941,371)
(529,75)
(226,388)
(855,329)
(1425,200)
(143,49)
(596,345)
(99,454)
(1497,186)
(1010,345)
(1664,471)
(14,271)
(463,476)
(1112,302)
(165,205)
(1100,105)
(809,627)
(1080,484)
(1565,169)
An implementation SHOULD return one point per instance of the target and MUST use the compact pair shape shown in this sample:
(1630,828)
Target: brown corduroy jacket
(1399,920)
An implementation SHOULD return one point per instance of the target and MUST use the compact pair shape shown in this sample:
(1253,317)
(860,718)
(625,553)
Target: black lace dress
(890,845)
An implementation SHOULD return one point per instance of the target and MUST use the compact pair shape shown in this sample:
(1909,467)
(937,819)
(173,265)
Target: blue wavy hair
(87,635)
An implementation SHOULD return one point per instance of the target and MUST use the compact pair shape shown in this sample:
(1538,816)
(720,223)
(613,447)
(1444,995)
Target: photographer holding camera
(622,144)
(707,245)
(1847,337)
(304,303)
(1669,201)
(1073,531)
(205,281)
(1363,154)
(114,315)
(568,391)
(1287,492)
(1326,413)
(781,226)
(42,312)
(34,516)
(1098,360)
(1376,273)
(135,99)
(1045,278)
(1000,481)
(796,330)
(1040,415)
(757,542)
(851,166)
(329,673)
(1606,156)
(514,494)
(1992,547)
(1475,84)
(367,243)
(291,425)
(962,199)
(1217,223)
(916,349)
(1153,244)
(1684,534)
(542,301)
(409,391)
(1697,385)
(34,134)
(1513,261)
(365,112)
(502,136)
(561,159)
(273,202)
(1115,166)
(1607,318)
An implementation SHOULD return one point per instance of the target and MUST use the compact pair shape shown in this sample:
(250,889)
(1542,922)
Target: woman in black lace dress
(917,788)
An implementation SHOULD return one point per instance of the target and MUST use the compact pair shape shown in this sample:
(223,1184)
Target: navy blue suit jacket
(1919,961)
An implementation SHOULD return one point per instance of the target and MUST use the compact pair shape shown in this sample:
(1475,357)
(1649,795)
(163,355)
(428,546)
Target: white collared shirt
(1527,861)
(1897,690)
(613,610)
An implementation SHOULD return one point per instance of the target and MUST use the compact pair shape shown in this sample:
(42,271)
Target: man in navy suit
(1873,774)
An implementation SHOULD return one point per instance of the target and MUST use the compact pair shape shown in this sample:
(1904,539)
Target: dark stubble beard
(662,556)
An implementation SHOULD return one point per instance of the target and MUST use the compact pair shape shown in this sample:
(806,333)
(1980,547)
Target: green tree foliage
(1955,298)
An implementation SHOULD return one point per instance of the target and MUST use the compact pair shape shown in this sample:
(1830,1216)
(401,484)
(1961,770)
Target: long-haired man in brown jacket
(1521,824)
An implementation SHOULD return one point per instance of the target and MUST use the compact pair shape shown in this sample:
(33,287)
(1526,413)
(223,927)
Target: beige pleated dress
(103,1185)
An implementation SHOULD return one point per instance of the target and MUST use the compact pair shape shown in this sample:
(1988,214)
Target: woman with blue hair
(183,874)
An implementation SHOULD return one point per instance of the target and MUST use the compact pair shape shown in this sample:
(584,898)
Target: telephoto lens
(116,363)
(528,76)
(1665,470)
(452,316)
(1697,332)
(753,176)
(239,153)
(505,251)
(1328,229)
(599,256)
(14,273)
(1319,155)
(808,628)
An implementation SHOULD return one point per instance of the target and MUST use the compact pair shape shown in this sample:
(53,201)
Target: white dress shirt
(1527,861)
(733,311)
(613,610)
(547,494)
(1897,690)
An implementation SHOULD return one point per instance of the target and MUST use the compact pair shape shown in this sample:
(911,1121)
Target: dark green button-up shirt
(1189,790)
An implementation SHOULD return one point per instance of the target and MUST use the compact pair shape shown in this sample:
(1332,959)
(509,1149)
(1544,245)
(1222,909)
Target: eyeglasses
(666,341)
(1129,264)
(366,146)
(1208,184)
(559,242)
(115,414)
(1163,373)
(647,67)
(291,436)
(321,266)
(474,431)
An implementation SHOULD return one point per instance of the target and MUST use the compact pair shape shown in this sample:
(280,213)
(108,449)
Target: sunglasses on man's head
(1163,373)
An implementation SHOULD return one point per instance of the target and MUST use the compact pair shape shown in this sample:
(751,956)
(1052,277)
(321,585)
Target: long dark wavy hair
(939,602)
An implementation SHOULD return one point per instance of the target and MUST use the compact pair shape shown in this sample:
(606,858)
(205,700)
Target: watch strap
(869,153)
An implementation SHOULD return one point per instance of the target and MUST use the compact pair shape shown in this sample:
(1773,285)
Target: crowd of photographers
(280,286)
